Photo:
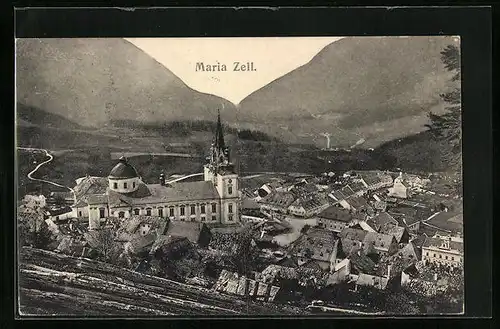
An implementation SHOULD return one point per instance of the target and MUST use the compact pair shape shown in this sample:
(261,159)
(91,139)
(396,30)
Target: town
(351,242)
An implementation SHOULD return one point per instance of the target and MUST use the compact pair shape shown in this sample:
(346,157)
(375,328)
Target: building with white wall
(123,194)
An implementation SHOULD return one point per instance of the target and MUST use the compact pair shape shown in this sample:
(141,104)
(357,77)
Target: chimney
(162,179)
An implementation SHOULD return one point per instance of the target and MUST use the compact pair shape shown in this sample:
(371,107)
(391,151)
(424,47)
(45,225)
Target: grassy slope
(62,285)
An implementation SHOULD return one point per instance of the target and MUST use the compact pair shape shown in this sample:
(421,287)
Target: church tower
(220,170)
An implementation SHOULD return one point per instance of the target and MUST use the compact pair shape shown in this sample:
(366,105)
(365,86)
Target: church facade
(123,194)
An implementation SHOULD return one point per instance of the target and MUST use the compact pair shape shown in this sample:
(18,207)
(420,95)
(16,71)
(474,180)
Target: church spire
(219,134)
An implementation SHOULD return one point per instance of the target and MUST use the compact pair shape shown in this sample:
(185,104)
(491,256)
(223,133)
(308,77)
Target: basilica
(123,194)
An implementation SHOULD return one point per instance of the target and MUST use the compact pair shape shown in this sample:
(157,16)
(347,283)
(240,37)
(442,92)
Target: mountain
(375,88)
(94,81)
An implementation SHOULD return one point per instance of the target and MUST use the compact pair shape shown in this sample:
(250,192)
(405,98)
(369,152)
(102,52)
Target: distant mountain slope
(93,81)
(372,88)
(30,115)
(421,152)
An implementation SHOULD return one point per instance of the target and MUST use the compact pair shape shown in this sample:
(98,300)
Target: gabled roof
(142,243)
(96,199)
(309,203)
(281,199)
(359,203)
(91,185)
(396,231)
(381,220)
(317,244)
(438,243)
(191,230)
(336,213)
(379,241)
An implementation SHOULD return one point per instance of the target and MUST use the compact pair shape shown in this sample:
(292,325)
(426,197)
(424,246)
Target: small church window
(133,184)
(214,207)
(230,218)
(101,212)
(171,209)
(202,208)
(115,185)
(183,211)
(230,189)
(214,218)
(230,208)
(125,185)
(193,209)
(148,211)
(160,212)
(136,211)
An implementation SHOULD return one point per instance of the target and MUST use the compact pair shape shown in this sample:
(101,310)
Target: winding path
(50,158)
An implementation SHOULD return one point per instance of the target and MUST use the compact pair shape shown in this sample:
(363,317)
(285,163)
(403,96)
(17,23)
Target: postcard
(269,176)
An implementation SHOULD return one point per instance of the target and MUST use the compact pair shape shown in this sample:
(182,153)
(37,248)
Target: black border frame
(473,24)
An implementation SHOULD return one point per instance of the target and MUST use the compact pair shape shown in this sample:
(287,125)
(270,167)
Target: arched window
(160,212)
(148,211)
(171,210)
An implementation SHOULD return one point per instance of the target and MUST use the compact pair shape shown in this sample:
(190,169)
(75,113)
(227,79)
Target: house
(400,233)
(334,218)
(381,220)
(358,187)
(368,242)
(399,189)
(60,213)
(357,204)
(376,181)
(365,272)
(308,206)
(319,248)
(197,233)
(443,251)
(276,202)
(409,217)
(232,283)
(340,273)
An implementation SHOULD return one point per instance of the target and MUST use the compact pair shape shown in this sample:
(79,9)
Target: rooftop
(123,170)
(156,193)
(439,243)
(336,213)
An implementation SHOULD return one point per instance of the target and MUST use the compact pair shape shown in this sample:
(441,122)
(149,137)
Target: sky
(271,58)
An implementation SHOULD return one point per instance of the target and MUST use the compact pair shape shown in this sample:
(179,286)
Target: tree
(33,230)
(104,244)
(447,127)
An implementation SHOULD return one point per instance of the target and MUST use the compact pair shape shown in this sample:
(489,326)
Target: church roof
(123,170)
(156,193)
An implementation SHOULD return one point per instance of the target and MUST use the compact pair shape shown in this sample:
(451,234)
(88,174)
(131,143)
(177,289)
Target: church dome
(123,170)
